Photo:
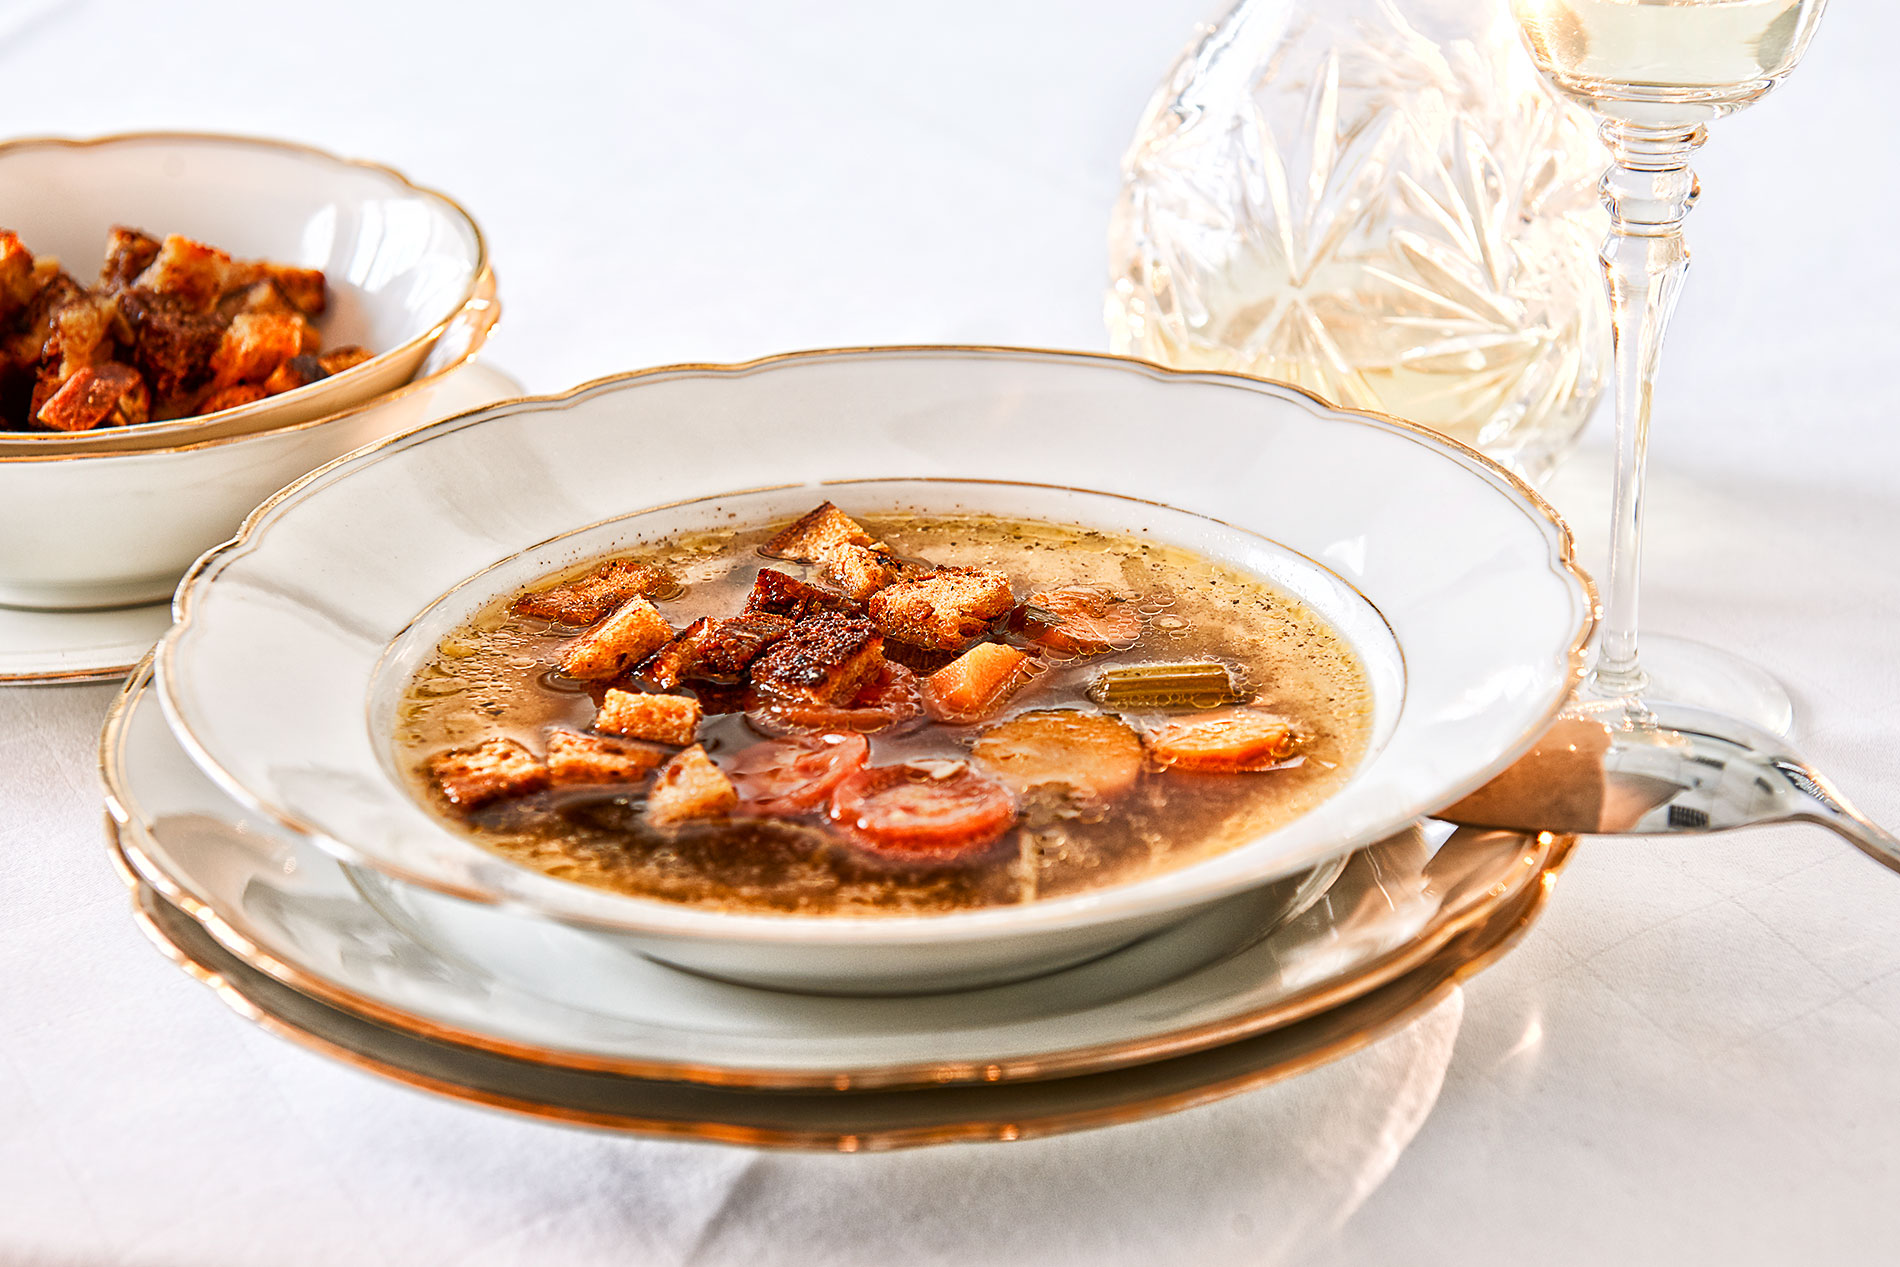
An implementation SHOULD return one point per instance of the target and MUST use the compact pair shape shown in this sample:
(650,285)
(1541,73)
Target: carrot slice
(1231,740)
(1086,621)
(1097,755)
(976,683)
(788,777)
(922,807)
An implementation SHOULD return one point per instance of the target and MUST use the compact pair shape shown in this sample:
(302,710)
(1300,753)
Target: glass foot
(1683,671)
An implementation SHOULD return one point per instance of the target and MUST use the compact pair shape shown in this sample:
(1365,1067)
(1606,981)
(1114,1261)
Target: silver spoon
(1664,770)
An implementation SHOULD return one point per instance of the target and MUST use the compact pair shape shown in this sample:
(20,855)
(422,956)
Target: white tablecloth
(1692,1056)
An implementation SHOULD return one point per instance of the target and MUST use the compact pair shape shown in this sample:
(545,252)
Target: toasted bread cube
(79,334)
(732,645)
(777,594)
(189,271)
(172,344)
(715,650)
(53,291)
(861,571)
(303,287)
(298,371)
(586,599)
(256,343)
(671,663)
(943,610)
(826,659)
(128,253)
(349,356)
(577,758)
(231,397)
(112,394)
(18,282)
(690,786)
(817,532)
(487,771)
(667,719)
(635,631)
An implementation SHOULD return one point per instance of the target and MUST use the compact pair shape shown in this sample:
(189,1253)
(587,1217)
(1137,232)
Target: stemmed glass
(1655,73)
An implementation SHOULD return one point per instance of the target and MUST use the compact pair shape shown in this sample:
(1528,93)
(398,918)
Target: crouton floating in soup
(902,714)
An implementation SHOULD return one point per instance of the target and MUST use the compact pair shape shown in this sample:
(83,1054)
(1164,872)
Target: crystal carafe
(1380,201)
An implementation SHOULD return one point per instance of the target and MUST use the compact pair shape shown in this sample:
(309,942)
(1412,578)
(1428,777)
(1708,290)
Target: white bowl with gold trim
(1452,580)
(402,261)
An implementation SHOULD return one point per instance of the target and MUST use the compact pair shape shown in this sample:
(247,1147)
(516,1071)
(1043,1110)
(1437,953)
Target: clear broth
(495,676)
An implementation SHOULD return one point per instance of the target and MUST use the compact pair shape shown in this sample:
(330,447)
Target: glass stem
(1648,191)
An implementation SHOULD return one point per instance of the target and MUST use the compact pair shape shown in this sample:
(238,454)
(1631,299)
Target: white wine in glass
(1655,73)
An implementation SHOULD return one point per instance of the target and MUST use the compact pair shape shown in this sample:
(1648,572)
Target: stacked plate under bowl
(277,850)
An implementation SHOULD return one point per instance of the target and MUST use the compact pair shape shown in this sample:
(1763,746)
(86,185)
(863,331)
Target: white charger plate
(1481,612)
(529,989)
(829,1120)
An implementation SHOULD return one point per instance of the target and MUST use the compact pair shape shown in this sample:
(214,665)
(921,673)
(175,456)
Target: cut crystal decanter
(1381,201)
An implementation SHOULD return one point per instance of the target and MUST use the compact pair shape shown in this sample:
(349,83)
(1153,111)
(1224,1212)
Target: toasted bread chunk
(944,609)
(196,274)
(824,659)
(671,663)
(577,758)
(667,719)
(172,345)
(349,356)
(777,594)
(128,253)
(303,287)
(635,631)
(81,335)
(256,343)
(53,292)
(715,650)
(487,771)
(732,645)
(861,571)
(690,786)
(111,394)
(259,296)
(298,371)
(231,397)
(18,284)
(588,598)
(817,532)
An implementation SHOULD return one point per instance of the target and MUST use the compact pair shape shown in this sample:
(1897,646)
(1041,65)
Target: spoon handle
(1830,809)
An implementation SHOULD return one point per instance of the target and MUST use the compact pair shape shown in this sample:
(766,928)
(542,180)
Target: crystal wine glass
(1655,73)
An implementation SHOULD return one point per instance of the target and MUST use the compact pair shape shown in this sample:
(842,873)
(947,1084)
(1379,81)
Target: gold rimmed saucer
(834,1121)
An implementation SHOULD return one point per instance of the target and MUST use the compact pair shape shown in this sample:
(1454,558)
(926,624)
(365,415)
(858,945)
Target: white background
(1690,1059)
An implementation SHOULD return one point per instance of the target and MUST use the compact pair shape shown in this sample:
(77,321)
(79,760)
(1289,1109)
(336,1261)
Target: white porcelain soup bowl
(401,261)
(1453,581)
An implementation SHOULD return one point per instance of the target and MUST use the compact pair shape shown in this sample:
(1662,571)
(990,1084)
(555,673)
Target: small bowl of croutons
(158,289)
(189,322)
